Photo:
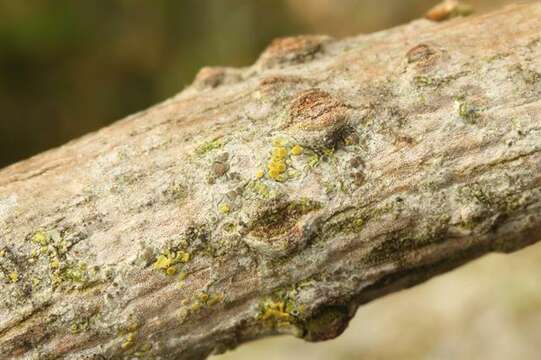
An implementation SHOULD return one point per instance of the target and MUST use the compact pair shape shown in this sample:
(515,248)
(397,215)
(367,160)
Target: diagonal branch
(280,197)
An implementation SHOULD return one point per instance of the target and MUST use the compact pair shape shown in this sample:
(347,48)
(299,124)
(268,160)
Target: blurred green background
(69,67)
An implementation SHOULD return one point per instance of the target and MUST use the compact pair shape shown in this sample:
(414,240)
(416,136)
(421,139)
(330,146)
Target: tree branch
(280,197)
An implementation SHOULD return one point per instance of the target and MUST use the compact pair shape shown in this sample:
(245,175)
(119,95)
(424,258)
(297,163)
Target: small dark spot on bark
(358,178)
(327,324)
(356,162)
(219,169)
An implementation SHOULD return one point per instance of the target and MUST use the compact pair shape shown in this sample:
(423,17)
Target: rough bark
(280,197)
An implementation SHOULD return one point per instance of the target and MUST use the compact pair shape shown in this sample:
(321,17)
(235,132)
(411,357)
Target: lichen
(64,271)
(169,260)
(260,189)
(274,311)
(224,208)
(281,308)
(296,150)
(259,174)
(468,112)
(209,146)
(14,276)
(277,164)
(41,238)
(129,341)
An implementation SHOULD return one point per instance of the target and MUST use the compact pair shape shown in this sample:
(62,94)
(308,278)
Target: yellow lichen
(196,306)
(276,169)
(40,238)
(278,166)
(54,263)
(163,262)
(2,253)
(203,296)
(279,153)
(182,276)
(13,276)
(183,256)
(224,208)
(329,152)
(128,341)
(279,142)
(166,262)
(259,174)
(296,150)
(274,311)
(215,299)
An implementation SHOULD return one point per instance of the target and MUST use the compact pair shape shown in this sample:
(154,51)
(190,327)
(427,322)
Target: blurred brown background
(69,67)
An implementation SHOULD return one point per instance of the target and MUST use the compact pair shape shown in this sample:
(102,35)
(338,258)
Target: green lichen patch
(177,192)
(485,208)
(209,146)
(41,238)
(200,301)
(260,190)
(425,81)
(350,223)
(129,341)
(52,248)
(79,326)
(70,274)
(9,267)
(467,111)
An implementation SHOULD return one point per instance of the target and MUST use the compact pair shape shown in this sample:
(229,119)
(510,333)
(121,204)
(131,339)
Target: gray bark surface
(276,199)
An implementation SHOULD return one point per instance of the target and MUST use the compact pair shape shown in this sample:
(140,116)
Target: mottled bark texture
(279,197)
